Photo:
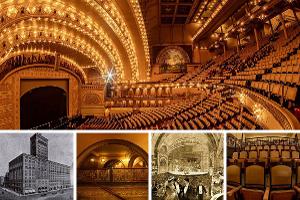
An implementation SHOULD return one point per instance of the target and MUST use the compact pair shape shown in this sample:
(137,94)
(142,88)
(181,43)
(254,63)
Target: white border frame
(149,132)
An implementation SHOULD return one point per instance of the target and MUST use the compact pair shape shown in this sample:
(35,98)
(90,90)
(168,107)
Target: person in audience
(201,191)
(171,193)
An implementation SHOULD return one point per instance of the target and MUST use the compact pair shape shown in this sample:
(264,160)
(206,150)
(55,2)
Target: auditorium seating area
(160,66)
(263,166)
(273,70)
(217,111)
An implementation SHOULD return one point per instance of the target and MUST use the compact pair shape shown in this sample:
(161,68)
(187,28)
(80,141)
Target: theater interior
(263,166)
(112,166)
(196,157)
(149,64)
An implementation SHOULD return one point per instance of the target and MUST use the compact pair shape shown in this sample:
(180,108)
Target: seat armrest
(297,188)
(267,193)
(233,191)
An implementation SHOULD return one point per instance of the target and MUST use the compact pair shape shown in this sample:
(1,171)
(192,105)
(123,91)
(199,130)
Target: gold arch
(123,19)
(52,35)
(72,22)
(46,52)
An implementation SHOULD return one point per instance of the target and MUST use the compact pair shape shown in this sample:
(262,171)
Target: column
(238,43)
(283,25)
(295,15)
(196,54)
(256,38)
(272,29)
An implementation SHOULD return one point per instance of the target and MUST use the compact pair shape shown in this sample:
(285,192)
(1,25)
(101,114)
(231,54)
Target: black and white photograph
(187,166)
(36,166)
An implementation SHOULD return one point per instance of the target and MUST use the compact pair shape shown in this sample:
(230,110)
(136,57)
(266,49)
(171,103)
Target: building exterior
(39,146)
(32,173)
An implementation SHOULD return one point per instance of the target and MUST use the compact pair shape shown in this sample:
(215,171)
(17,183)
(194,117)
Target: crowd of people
(179,189)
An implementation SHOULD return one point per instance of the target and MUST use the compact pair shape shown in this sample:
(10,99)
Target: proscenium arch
(78,74)
(134,147)
(108,51)
(210,136)
(128,32)
(70,22)
(52,35)
(24,67)
(41,105)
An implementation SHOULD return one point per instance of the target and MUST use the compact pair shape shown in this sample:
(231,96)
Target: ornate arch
(38,58)
(135,148)
(133,158)
(213,143)
(117,26)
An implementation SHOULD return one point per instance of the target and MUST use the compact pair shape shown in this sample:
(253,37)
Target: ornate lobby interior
(112,166)
(149,64)
(196,157)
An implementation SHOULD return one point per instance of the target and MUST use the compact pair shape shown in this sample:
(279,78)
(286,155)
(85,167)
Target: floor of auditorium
(113,192)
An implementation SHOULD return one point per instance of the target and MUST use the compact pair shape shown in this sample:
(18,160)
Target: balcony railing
(116,175)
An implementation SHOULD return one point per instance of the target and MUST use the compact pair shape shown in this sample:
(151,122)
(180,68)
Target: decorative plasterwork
(21,35)
(71,15)
(79,22)
(214,14)
(141,23)
(113,18)
(46,52)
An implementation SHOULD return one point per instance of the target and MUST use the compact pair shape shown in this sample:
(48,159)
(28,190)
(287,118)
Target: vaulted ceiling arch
(117,27)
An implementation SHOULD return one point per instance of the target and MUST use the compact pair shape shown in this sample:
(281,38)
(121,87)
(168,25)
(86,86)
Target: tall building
(39,146)
(34,173)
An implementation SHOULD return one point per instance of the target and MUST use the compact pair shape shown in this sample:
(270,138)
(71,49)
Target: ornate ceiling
(173,141)
(111,35)
(96,34)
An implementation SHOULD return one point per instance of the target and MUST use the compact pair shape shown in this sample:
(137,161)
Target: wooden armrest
(297,188)
(234,190)
(267,193)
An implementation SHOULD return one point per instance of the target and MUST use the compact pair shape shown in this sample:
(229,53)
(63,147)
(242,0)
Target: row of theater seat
(273,70)
(205,112)
(280,183)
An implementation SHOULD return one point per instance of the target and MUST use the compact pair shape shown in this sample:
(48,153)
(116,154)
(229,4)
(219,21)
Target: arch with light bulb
(125,31)
(78,70)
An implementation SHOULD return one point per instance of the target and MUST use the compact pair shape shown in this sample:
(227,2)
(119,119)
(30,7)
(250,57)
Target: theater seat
(233,182)
(264,157)
(274,156)
(286,156)
(243,157)
(281,183)
(295,156)
(255,184)
(252,156)
(297,184)
(234,157)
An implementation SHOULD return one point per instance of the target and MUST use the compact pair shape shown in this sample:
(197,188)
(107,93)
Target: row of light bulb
(132,55)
